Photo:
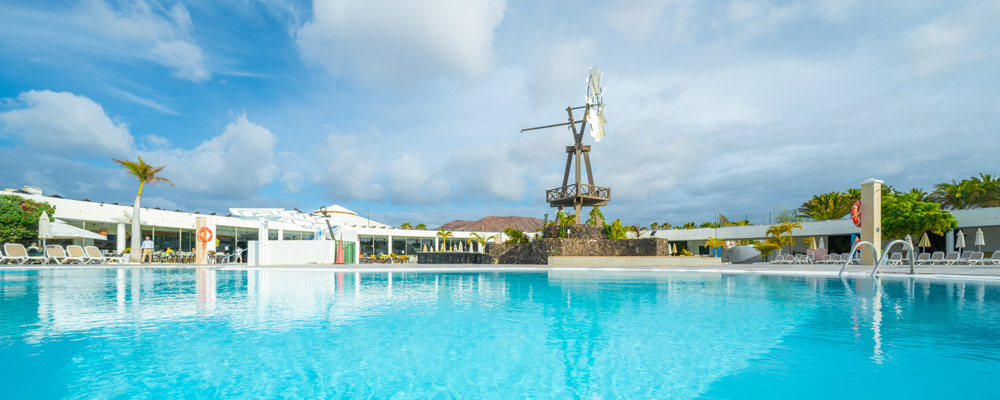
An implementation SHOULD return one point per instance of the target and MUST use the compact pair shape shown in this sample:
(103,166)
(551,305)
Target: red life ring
(204,234)
(856,213)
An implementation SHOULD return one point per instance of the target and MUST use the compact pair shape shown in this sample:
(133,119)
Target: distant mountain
(526,224)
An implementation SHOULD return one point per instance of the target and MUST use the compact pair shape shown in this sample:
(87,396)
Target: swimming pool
(172,333)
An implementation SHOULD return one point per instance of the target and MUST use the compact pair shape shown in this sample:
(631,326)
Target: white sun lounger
(55,253)
(976,258)
(896,259)
(995,259)
(94,255)
(951,258)
(3,258)
(16,252)
(924,258)
(76,254)
(937,258)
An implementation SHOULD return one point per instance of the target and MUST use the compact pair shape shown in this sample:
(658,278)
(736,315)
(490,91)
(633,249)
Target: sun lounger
(94,255)
(937,258)
(76,254)
(896,259)
(16,252)
(976,258)
(923,258)
(951,258)
(3,258)
(995,259)
(55,253)
(964,258)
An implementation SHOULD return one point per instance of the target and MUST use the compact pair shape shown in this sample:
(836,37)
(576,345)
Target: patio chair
(951,258)
(937,258)
(825,259)
(976,258)
(995,259)
(964,258)
(94,255)
(896,259)
(17,252)
(76,254)
(924,258)
(55,253)
(3,258)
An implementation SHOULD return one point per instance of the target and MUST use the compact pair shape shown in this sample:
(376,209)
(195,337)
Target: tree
(654,226)
(854,194)
(19,218)
(596,217)
(146,174)
(962,195)
(905,215)
(637,230)
(689,225)
(482,239)
(789,227)
(444,235)
(615,230)
(713,243)
(406,225)
(765,248)
(783,214)
(515,236)
(420,226)
(991,189)
(826,206)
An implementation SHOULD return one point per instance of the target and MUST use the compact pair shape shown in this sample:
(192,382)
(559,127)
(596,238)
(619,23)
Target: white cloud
(411,182)
(962,37)
(67,124)
(236,163)
(292,181)
(162,35)
(560,69)
(125,30)
(402,39)
(640,19)
(351,167)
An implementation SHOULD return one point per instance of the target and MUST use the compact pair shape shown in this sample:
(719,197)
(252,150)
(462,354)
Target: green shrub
(19,218)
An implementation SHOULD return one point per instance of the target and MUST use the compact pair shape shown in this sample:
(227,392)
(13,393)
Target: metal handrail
(885,255)
(857,246)
(230,257)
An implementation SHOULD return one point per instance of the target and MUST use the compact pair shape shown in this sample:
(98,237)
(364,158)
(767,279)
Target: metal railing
(885,255)
(855,249)
(569,191)
(879,261)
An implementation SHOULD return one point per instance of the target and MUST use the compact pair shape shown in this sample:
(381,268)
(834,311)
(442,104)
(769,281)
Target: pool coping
(964,272)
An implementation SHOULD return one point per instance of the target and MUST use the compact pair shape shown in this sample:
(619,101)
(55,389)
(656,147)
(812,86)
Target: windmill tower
(579,194)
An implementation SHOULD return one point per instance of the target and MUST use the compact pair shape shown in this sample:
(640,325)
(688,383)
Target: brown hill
(526,224)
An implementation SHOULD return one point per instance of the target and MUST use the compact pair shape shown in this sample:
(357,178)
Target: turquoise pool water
(107,333)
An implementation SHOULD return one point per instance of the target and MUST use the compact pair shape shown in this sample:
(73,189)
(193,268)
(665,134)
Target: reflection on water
(268,333)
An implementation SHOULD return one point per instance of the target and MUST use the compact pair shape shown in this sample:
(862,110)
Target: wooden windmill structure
(579,194)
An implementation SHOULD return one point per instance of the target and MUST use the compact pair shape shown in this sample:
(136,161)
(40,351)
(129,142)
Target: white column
(120,242)
(871,218)
(389,243)
(436,245)
(949,241)
(281,234)
(262,230)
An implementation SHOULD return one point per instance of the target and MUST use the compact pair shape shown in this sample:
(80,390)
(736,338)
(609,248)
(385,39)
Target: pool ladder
(885,254)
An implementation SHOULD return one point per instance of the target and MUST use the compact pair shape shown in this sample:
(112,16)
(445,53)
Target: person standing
(147,249)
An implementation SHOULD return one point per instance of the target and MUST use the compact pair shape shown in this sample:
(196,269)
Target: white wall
(291,252)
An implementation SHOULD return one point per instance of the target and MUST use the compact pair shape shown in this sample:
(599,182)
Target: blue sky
(412,110)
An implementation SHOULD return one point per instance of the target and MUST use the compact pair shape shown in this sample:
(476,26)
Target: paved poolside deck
(944,272)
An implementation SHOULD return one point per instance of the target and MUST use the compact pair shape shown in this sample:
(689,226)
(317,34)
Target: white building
(176,229)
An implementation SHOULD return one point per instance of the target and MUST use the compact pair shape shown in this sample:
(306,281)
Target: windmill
(579,194)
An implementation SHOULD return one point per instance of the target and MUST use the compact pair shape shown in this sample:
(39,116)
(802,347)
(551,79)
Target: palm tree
(637,229)
(765,248)
(854,194)
(482,239)
(146,174)
(406,225)
(789,227)
(713,242)
(444,235)
(775,231)
(959,195)
(833,205)
(420,226)
(991,187)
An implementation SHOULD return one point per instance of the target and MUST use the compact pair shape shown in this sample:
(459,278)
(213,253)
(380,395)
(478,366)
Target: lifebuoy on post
(204,234)
(856,213)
